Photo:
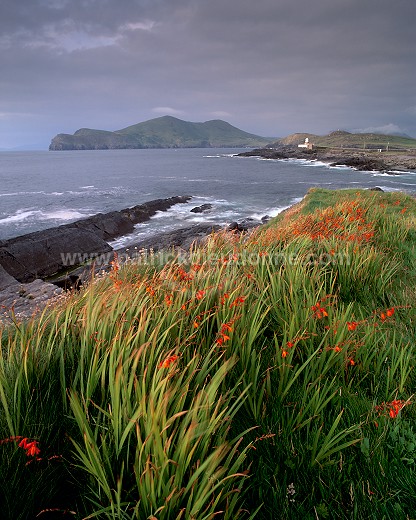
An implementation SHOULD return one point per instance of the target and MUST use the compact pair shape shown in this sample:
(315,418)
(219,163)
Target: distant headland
(161,132)
(370,152)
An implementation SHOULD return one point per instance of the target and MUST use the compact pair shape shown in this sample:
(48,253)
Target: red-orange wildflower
(290,344)
(319,311)
(391,409)
(200,294)
(237,301)
(224,297)
(32,449)
(226,327)
(11,439)
(168,361)
(390,312)
(352,325)
(284,353)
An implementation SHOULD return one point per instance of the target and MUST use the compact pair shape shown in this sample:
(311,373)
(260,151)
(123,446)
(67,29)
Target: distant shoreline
(364,160)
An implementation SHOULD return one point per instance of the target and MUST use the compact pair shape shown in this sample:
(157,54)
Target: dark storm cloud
(270,67)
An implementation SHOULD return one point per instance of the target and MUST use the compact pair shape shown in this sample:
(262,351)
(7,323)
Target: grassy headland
(369,152)
(263,376)
(161,132)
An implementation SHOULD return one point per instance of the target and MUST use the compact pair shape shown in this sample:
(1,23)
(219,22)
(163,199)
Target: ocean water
(44,189)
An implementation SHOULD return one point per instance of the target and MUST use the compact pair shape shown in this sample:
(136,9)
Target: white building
(306,144)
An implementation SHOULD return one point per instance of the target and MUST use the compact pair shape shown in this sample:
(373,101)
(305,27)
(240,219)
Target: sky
(269,67)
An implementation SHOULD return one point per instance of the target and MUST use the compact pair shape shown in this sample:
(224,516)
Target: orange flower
(31,447)
(319,311)
(351,362)
(226,328)
(284,353)
(383,316)
(224,298)
(395,407)
(352,325)
(238,300)
(168,361)
(290,344)
(390,312)
(200,294)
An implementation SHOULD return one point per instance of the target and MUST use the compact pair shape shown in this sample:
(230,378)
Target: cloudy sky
(270,67)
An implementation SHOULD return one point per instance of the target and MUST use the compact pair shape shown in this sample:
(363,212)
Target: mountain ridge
(161,132)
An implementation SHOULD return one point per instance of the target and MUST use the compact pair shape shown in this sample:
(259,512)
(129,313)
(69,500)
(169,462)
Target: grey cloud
(270,67)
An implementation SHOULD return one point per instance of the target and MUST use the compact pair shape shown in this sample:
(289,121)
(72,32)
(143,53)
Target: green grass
(263,376)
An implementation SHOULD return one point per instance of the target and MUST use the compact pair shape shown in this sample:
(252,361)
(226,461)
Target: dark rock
(143,212)
(265,219)
(376,188)
(44,253)
(362,163)
(201,209)
(6,280)
(244,225)
(233,226)
(68,283)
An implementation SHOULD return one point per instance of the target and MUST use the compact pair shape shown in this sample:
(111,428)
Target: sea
(42,189)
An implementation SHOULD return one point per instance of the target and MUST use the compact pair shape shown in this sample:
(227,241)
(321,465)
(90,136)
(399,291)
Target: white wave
(389,188)
(338,167)
(86,187)
(63,214)
(17,193)
(39,215)
(220,155)
(381,174)
(19,216)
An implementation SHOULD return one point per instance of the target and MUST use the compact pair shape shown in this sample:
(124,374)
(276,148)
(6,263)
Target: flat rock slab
(19,301)
(43,253)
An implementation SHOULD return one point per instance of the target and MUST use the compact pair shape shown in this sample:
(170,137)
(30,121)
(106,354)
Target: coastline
(37,268)
(392,162)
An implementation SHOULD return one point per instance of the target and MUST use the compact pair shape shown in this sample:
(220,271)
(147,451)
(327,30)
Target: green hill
(342,139)
(162,132)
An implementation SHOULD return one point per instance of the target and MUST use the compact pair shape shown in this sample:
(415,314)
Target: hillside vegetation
(341,139)
(265,376)
(162,132)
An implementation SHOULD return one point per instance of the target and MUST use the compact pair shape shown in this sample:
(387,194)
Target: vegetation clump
(262,376)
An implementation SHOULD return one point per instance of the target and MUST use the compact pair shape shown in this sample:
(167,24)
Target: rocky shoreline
(359,159)
(38,267)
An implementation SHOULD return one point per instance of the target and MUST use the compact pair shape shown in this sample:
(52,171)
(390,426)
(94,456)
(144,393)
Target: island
(161,132)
